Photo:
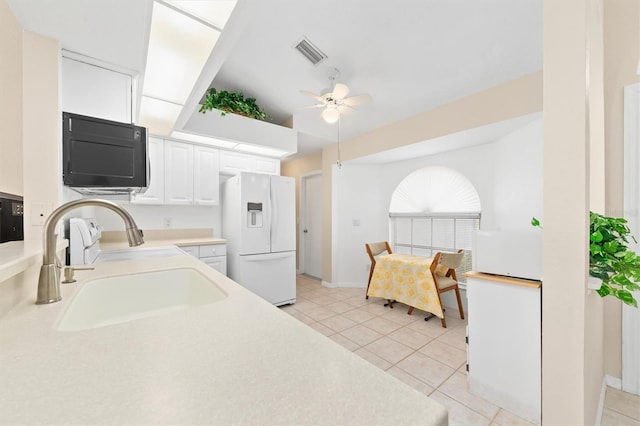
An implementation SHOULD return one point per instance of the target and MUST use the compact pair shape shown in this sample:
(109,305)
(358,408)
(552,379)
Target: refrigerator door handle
(270,256)
(274,213)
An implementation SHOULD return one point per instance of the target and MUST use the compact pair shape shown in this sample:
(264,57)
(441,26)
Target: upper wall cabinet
(182,174)
(178,173)
(232,163)
(155,191)
(206,177)
(96,91)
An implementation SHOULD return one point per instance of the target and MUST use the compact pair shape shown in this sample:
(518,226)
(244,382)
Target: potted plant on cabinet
(232,102)
(610,260)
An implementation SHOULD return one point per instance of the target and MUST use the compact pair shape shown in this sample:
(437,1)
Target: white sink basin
(138,253)
(113,300)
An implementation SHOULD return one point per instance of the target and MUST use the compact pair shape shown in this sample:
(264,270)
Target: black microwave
(101,154)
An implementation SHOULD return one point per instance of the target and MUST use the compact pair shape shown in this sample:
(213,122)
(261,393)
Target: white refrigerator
(259,224)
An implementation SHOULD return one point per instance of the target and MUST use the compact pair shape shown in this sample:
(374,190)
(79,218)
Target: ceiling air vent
(312,53)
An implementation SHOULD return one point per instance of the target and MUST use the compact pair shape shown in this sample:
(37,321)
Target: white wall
(362,217)
(153,217)
(507,174)
(518,178)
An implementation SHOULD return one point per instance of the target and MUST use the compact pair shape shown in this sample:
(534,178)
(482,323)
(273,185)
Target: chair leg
(366,294)
(459,303)
(444,323)
(410,311)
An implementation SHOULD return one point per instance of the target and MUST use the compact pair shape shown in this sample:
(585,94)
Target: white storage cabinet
(96,91)
(214,255)
(178,167)
(181,174)
(155,192)
(232,163)
(505,343)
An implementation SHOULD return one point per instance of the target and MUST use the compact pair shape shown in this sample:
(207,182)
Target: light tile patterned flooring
(620,409)
(422,354)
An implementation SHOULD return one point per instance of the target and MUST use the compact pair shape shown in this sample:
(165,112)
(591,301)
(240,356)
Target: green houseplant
(233,102)
(609,258)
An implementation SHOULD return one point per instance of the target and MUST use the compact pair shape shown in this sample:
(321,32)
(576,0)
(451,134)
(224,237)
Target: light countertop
(17,256)
(236,361)
(504,279)
(112,240)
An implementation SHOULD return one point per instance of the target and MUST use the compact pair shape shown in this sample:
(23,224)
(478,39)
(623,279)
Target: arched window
(434,209)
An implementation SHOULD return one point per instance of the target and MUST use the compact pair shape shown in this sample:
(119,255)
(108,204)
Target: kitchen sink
(112,300)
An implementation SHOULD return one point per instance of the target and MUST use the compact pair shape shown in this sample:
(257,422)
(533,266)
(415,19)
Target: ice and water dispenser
(254,215)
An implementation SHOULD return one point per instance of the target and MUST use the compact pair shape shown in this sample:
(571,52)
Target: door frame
(302,223)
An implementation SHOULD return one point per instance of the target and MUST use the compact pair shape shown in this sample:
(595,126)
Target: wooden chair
(443,270)
(373,250)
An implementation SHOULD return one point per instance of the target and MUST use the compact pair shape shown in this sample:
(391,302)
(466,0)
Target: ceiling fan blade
(346,109)
(312,95)
(357,100)
(314,106)
(340,91)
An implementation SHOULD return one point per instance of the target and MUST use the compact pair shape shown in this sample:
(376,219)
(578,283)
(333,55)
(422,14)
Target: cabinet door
(233,163)
(155,192)
(178,162)
(219,263)
(266,165)
(190,250)
(95,91)
(206,185)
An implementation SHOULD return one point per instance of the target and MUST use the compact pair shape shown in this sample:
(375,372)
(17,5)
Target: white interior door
(311,236)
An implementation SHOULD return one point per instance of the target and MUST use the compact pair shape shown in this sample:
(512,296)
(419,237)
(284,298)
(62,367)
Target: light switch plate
(40,212)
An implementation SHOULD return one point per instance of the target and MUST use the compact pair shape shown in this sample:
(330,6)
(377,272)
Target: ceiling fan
(334,99)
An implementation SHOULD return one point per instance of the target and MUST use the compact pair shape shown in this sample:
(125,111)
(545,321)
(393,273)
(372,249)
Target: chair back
(445,264)
(452,260)
(375,249)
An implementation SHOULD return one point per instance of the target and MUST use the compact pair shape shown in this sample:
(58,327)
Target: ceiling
(410,56)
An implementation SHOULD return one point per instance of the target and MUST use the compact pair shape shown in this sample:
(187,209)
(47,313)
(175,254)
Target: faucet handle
(69,271)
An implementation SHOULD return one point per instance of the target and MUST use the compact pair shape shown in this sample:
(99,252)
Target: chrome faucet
(49,281)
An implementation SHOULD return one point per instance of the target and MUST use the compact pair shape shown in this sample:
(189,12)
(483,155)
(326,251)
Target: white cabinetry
(155,192)
(96,91)
(214,255)
(206,181)
(504,353)
(178,166)
(232,163)
(182,174)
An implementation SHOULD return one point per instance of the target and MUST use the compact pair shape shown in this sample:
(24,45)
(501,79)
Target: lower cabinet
(214,255)
(505,343)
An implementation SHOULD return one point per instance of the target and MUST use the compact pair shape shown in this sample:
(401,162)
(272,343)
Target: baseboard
(613,382)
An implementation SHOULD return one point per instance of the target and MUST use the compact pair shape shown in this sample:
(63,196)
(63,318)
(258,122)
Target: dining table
(407,279)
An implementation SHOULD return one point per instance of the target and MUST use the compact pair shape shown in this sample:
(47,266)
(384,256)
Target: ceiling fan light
(330,115)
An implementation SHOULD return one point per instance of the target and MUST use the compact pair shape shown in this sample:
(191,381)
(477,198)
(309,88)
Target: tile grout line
(414,351)
(622,414)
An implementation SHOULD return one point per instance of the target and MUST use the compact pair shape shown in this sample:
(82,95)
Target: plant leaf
(627,298)
(597,236)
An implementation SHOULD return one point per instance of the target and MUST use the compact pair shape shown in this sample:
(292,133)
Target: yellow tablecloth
(407,279)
